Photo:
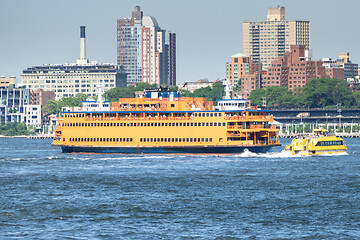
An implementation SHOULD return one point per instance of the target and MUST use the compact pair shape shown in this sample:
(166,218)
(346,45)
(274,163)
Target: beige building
(267,40)
(68,80)
(6,82)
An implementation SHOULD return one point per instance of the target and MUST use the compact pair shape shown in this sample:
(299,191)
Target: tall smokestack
(82,43)
(82,59)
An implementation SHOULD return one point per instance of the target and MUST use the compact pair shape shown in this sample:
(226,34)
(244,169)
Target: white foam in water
(249,154)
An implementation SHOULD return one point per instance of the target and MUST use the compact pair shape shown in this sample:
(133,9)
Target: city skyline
(44,32)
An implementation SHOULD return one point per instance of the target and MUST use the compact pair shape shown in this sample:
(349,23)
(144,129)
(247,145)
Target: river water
(46,194)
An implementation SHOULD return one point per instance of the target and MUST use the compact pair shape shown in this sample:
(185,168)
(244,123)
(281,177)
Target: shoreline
(44,136)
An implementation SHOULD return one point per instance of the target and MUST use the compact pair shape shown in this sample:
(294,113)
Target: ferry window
(210,139)
(120,140)
(141,139)
(187,140)
(101,124)
(191,124)
(131,124)
(195,114)
(172,140)
(224,124)
(117,139)
(151,139)
(91,124)
(107,139)
(215,114)
(201,139)
(172,105)
(173,124)
(219,114)
(203,124)
(203,114)
(183,139)
(165,139)
(161,139)
(207,114)
(211,114)
(180,124)
(176,139)
(158,139)
(177,124)
(179,139)
(195,124)
(162,124)
(101,139)
(152,124)
(131,139)
(211,124)
(148,139)
(155,124)
(207,124)
(195,139)
(206,139)
(169,140)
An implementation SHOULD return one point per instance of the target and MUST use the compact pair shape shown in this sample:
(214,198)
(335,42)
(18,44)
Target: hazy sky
(40,32)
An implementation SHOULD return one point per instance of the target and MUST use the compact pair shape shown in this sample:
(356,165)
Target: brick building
(293,70)
(240,66)
(41,97)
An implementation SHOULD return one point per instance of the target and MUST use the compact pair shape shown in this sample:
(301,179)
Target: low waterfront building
(192,86)
(13,102)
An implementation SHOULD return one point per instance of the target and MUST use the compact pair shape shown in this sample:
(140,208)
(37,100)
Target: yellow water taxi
(320,142)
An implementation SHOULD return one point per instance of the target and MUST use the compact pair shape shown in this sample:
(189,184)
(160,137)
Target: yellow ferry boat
(321,142)
(164,122)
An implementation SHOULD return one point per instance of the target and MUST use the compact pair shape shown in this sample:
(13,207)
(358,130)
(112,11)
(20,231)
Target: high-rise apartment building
(267,40)
(147,53)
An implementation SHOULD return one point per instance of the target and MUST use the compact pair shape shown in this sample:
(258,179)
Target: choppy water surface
(49,195)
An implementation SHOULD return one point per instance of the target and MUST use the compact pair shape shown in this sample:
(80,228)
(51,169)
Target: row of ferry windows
(175,139)
(329,143)
(101,139)
(178,124)
(180,114)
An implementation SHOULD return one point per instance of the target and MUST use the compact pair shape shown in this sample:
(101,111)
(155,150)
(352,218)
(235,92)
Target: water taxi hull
(167,150)
(319,152)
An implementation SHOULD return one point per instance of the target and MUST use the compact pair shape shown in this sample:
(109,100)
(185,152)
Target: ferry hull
(167,150)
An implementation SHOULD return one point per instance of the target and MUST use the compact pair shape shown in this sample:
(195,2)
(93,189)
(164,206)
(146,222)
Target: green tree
(319,93)
(256,96)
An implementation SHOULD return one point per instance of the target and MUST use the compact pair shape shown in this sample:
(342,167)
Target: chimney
(82,59)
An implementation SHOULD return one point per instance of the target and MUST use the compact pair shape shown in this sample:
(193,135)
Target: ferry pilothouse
(164,122)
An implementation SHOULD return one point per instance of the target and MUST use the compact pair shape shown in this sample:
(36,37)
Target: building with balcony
(68,80)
